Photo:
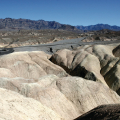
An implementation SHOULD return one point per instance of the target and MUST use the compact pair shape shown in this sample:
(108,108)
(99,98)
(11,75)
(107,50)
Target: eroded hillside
(60,86)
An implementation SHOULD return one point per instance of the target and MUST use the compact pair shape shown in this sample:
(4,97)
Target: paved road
(51,48)
(68,44)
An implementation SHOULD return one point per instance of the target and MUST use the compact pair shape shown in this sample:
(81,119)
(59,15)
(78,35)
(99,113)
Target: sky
(73,12)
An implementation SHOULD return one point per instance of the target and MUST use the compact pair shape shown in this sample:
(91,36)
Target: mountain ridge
(98,27)
(9,23)
(17,24)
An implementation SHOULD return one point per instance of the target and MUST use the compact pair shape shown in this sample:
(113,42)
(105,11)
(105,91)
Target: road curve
(51,48)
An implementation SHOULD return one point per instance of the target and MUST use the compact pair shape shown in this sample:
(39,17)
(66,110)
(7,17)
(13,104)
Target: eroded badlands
(38,86)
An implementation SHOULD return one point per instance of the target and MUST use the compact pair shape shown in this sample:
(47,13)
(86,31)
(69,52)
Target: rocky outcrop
(116,51)
(96,62)
(85,94)
(75,61)
(32,78)
(113,78)
(109,61)
(104,112)
(14,106)
(29,65)
(69,97)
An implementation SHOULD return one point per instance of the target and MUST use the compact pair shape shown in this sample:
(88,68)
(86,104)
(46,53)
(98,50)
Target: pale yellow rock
(110,63)
(44,90)
(94,62)
(112,77)
(102,51)
(83,57)
(69,97)
(57,96)
(14,106)
(86,94)
(30,65)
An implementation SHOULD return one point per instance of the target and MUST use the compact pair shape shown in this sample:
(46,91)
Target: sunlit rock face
(35,85)
(15,106)
(93,62)
(30,65)
(68,97)
(81,62)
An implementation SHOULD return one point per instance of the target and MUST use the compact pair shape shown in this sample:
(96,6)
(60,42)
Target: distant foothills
(98,27)
(18,24)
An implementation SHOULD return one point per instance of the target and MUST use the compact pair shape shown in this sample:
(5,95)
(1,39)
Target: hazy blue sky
(74,12)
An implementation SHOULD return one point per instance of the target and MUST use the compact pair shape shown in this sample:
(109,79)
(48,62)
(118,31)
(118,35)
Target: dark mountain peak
(8,18)
(10,23)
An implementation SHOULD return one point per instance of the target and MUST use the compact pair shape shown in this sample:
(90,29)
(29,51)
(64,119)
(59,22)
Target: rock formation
(33,87)
(30,65)
(103,112)
(96,62)
(14,106)
(69,97)
(116,51)
(75,61)
(18,24)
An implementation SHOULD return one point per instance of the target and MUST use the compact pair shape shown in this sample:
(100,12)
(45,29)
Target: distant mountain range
(17,24)
(98,27)
(9,23)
